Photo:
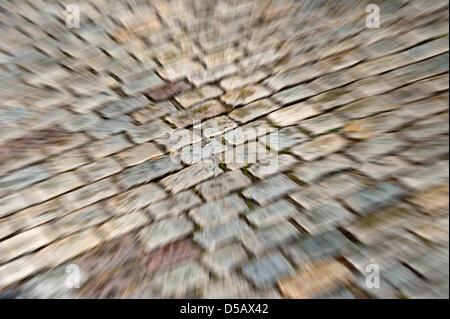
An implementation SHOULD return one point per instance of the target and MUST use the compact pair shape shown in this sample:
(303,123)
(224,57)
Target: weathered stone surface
(222,57)
(213,238)
(248,132)
(295,93)
(191,175)
(67,161)
(245,95)
(223,185)
(191,98)
(322,124)
(53,187)
(424,108)
(99,169)
(383,223)
(375,147)
(266,271)
(433,199)
(196,113)
(236,287)
(212,75)
(135,199)
(341,185)
(174,205)
(23,178)
(109,127)
(273,165)
(177,138)
(134,86)
(282,80)
(81,122)
(205,149)
(383,167)
(89,194)
(26,242)
(293,114)
(310,197)
(149,131)
(368,127)
(148,171)
(323,217)
(219,211)
(323,144)
(271,238)
(314,278)
(179,69)
(284,138)
(122,225)
(243,155)
(427,176)
(310,248)
(320,147)
(272,214)
(138,154)
(225,260)
(176,282)
(261,58)
(372,199)
(217,126)
(429,151)
(51,284)
(81,219)
(237,81)
(331,99)
(124,106)
(253,110)
(165,91)
(366,107)
(107,146)
(269,189)
(428,129)
(153,111)
(165,231)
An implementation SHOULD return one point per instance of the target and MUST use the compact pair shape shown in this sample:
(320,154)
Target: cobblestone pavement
(91,181)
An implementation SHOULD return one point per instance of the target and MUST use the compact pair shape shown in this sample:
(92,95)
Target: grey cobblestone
(270,238)
(269,189)
(162,232)
(147,171)
(225,260)
(223,185)
(194,149)
(219,211)
(213,238)
(272,214)
(191,175)
(173,206)
(264,272)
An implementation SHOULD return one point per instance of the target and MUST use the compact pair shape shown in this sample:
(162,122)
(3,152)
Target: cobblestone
(224,149)
(165,231)
(266,271)
(219,211)
(215,237)
(269,189)
(320,147)
(223,185)
(174,205)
